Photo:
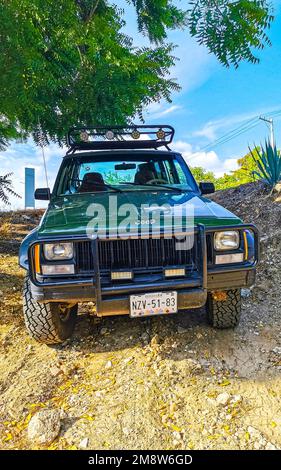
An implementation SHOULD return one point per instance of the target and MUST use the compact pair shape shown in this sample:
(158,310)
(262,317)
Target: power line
(230,133)
(237,134)
(234,133)
(244,127)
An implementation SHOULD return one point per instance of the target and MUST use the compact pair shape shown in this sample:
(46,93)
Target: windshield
(89,174)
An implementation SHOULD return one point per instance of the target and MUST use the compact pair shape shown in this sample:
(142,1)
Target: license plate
(156,303)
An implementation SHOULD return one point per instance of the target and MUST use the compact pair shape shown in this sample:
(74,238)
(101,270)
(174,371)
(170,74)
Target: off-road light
(174,272)
(160,134)
(227,240)
(135,134)
(226,259)
(50,269)
(84,136)
(58,251)
(119,275)
(109,135)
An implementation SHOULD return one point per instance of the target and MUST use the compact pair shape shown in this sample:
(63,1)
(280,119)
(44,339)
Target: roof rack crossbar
(120,137)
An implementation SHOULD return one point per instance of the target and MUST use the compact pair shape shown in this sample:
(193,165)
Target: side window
(180,173)
(158,170)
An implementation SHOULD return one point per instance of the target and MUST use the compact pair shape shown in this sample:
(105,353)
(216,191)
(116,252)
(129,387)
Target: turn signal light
(49,269)
(234,258)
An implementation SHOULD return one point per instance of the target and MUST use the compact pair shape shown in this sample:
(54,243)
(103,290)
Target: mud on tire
(224,313)
(47,323)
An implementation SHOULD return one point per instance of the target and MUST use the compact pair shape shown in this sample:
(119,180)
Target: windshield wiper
(155,186)
(118,190)
(104,185)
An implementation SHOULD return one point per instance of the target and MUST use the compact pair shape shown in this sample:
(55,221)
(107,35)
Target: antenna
(43,153)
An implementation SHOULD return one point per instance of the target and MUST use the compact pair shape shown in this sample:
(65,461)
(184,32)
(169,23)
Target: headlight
(58,251)
(228,240)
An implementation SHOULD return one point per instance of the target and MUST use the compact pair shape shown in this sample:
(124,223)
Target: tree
(226,181)
(6,188)
(200,174)
(67,62)
(246,173)
(247,167)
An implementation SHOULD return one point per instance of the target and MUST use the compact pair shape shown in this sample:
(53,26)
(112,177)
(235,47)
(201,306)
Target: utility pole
(270,122)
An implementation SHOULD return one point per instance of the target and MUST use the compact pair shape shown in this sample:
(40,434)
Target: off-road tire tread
(39,319)
(226,313)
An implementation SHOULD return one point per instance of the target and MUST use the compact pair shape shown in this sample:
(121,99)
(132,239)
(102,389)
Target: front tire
(224,308)
(49,323)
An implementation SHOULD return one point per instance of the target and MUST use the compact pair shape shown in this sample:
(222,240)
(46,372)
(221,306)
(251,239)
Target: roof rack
(119,137)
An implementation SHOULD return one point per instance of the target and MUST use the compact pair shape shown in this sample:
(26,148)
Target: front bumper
(118,304)
(114,299)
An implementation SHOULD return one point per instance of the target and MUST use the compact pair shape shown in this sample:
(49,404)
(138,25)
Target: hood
(75,214)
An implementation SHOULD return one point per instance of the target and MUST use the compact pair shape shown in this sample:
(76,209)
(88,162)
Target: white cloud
(158,110)
(183,147)
(208,160)
(231,164)
(18,156)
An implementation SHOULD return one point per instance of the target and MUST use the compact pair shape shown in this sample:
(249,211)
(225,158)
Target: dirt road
(166,383)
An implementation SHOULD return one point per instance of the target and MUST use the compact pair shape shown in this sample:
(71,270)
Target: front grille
(135,254)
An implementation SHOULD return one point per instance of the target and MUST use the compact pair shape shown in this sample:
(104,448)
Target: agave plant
(6,188)
(268,162)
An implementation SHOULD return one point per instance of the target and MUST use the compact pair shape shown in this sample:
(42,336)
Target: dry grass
(5,228)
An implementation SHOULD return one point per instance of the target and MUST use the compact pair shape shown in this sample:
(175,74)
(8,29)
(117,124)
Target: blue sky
(213,101)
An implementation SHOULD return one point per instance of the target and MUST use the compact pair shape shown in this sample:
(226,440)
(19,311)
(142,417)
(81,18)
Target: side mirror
(43,194)
(207,188)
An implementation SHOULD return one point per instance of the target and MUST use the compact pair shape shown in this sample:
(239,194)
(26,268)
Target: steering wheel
(156,181)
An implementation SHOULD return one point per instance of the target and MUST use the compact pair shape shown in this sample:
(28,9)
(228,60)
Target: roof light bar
(119,137)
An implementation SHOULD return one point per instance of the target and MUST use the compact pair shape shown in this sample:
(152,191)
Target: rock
(55,371)
(270,446)
(44,426)
(246,293)
(236,399)
(223,399)
(145,337)
(26,217)
(84,443)
(155,340)
(257,445)
(277,350)
(257,436)
(128,359)
(126,431)
(181,330)
(177,435)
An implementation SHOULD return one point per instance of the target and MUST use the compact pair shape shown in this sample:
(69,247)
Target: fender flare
(23,251)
